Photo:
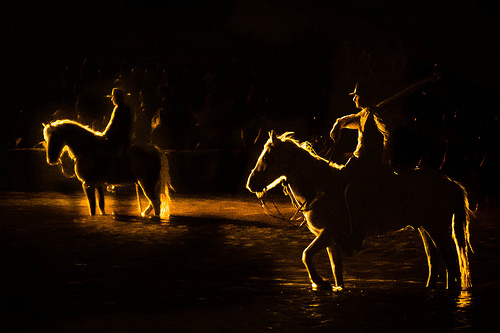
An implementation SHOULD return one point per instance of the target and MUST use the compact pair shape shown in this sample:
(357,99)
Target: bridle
(61,164)
(49,128)
(300,207)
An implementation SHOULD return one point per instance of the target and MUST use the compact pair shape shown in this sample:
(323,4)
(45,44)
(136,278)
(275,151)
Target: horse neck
(308,176)
(77,139)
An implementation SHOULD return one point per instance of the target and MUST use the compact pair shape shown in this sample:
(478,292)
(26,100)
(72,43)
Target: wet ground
(219,265)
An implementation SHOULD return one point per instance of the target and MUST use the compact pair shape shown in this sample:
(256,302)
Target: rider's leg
(350,238)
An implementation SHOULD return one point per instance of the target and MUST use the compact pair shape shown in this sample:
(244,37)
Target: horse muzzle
(52,160)
(258,191)
(253,186)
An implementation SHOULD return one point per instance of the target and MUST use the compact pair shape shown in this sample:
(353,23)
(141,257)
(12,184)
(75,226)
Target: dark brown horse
(97,167)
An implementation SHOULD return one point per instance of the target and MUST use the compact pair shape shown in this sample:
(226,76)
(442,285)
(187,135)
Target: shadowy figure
(110,158)
(118,132)
(369,161)
(96,166)
(117,139)
(372,131)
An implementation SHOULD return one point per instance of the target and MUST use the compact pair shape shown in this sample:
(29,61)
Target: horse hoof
(322,286)
(152,218)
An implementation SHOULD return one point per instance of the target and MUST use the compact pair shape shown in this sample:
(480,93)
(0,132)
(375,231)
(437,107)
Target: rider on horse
(372,132)
(118,132)
(369,160)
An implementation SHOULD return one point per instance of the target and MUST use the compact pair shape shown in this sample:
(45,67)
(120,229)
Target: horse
(423,199)
(98,167)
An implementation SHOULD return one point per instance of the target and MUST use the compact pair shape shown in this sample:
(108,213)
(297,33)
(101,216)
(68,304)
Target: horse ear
(274,137)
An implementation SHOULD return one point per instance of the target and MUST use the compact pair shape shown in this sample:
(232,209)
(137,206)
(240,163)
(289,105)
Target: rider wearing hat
(372,132)
(366,166)
(118,132)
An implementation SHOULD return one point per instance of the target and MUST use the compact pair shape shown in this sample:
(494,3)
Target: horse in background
(423,199)
(97,167)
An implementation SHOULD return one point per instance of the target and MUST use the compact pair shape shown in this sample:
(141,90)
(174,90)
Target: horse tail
(165,186)
(461,235)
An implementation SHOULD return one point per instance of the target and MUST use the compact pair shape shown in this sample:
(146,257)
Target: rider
(369,158)
(118,132)
(372,131)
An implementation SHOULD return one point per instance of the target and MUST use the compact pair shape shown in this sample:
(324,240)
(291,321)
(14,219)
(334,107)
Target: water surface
(219,264)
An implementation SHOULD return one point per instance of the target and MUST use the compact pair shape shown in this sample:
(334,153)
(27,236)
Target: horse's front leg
(318,244)
(100,193)
(337,267)
(433,257)
(90,193)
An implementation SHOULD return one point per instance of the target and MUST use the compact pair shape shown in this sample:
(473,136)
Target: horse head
(271,166)
(54,143)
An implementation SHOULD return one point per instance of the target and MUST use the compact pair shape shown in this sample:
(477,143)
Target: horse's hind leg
(337,267)
(447,249)
(152,196)
(148,210)
(433,257)
(100,192)
(90,193)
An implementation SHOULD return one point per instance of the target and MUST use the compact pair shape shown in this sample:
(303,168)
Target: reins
(63,168)
(300,207)
(280,216)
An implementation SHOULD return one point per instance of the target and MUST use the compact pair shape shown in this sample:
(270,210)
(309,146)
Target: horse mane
(65,123)
(308,147)
(81,136)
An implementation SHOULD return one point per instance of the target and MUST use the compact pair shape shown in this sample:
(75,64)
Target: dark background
(221,72)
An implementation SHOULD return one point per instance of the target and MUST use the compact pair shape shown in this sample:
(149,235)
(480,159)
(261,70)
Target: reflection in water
(221,261)
(464,300)
(463,313)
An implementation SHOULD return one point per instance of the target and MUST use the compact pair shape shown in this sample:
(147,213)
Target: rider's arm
(352,121)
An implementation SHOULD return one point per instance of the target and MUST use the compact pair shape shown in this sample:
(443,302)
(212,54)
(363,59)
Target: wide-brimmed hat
(361,89)
(118,93)
(367,89)
(355,91)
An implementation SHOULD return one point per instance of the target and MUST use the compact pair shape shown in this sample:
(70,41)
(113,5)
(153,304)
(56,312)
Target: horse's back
(144,160)
(101,166)
(414,198)
(432,195)
(144,152)
(377,204)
